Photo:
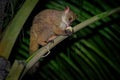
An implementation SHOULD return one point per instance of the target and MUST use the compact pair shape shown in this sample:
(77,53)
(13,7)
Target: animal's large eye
(70,18)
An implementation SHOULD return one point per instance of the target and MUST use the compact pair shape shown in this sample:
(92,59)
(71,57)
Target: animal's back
(41,28)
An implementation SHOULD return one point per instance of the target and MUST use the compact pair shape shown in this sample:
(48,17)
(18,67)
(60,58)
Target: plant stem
(14,27)
(42,51)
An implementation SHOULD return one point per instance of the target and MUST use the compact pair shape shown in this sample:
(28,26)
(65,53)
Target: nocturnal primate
(48,24)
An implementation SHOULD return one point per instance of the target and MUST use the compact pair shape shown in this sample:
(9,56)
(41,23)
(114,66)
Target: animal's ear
(67,9)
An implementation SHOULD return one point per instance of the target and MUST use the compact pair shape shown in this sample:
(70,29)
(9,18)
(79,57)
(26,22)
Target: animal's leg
(51,39)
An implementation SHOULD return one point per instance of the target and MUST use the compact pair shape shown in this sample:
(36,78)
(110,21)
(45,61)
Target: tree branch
(42,51)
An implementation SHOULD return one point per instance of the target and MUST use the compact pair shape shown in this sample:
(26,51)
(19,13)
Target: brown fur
(46,27)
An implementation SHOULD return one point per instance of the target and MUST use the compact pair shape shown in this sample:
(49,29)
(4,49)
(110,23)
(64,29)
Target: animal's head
(67,18)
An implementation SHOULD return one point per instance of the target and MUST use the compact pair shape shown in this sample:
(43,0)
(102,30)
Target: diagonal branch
(42,51)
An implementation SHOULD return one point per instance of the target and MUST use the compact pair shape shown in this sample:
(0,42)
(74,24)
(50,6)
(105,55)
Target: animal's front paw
(69,30)
(51,41)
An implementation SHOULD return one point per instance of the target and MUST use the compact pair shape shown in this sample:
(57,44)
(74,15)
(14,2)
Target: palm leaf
(91,53)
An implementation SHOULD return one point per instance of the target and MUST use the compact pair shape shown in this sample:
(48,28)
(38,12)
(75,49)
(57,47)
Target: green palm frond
(90,54)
